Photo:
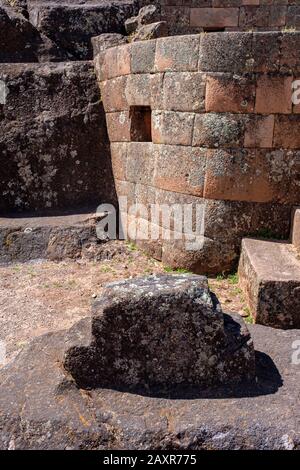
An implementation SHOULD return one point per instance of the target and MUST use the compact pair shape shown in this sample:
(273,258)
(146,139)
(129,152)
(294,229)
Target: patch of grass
(131,246)
(106,269)
(233,278)
(168,269)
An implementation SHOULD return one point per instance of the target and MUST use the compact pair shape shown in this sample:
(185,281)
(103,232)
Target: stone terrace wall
(54,148)
(245,15)
(224,134)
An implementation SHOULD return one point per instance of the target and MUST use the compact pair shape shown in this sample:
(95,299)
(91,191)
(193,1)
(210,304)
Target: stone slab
(269,273)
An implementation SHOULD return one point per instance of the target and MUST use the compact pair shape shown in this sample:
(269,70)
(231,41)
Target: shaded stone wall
(225,134)
(230,15)
(54,149)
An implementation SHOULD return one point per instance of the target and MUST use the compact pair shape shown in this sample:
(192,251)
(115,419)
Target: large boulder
(42,408)
(161,332)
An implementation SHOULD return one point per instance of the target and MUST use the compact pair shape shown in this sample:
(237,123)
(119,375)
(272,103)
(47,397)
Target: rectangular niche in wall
(140,119)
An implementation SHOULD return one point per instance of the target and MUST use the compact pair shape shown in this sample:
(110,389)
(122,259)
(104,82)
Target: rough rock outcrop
(162,331)
(20,41)
(54,150)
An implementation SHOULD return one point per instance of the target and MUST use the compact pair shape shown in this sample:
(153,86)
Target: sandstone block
(144,90)
(143,56)
(180,169)
(119,159)
(139,312)
(169,127)
(287,132)
(266,51)
(184,91)
(219,130)
(227,93)
(238,175)
(293,16)
(225,52)
(177,53)
(269,274)
(274,94)
(140,162)
(113,94)
(259,132)
(119,126)
(214,17)
(290,46)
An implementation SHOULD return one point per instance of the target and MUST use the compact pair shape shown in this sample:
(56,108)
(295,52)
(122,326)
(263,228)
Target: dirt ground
(42,296)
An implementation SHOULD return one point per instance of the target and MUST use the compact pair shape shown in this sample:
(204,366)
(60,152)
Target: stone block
(179,53)
(254,17)
(230,93)
(119,126)
(295,233)
(237,175)
(144,90)
(226,52)
(219,130)
(290,46)
(259,132)
(170,127)
(180,169)
(214,17)
(266,51)
(269,274)
(293,17)
(287,132)
(184,91)
(274,94)
(140,162)
(113,94)
(151,31)
(143,56)
(115,62)
(119,159)
(128,323)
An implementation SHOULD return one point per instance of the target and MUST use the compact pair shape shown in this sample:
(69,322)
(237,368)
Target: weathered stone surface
(177,54)
(131,24)
(172,128)
(151,31)
(105,41)
(230,93)
(72,25)
(58,415)
(184,91)
(296,229)
(20,41)
(50,236)
(269,274)
(54,149)
(226,52)
(161,331)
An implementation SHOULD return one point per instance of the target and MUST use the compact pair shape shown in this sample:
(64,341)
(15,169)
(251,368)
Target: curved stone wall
(229,15)
(225,135)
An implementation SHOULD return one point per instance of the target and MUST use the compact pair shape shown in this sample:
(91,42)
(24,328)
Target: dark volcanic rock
(71,25)
(19,40)
(162,331)
(54,149)
(151,31)
(41,408)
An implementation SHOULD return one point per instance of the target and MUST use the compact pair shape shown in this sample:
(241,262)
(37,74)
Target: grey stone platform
(53,237)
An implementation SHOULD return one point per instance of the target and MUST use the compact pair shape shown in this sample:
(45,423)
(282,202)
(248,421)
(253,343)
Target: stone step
(269,274)
(54,237)
(296,229)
